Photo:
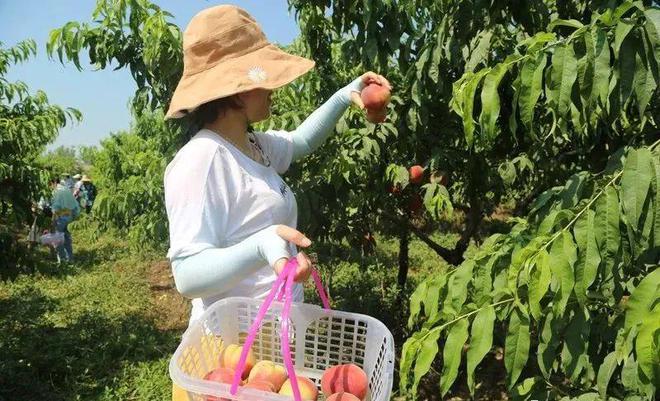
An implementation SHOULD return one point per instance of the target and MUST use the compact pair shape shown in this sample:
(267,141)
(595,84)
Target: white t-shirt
(216,196)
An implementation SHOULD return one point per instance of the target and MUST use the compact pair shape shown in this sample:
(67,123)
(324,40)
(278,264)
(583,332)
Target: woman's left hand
(370,77)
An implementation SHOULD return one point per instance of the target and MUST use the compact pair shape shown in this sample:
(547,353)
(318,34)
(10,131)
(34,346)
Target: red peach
(375,97)
(231,355)
(270,372)
(219,375)
(348,378)
(261,385)
(308,390)
(416,174)
(342,397)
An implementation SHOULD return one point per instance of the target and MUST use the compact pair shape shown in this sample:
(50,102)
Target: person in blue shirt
(65,209)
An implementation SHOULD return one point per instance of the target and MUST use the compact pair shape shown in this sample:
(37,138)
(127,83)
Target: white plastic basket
(52,239)
(319,339)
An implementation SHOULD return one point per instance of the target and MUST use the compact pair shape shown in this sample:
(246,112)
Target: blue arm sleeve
(216,270)
(316,128)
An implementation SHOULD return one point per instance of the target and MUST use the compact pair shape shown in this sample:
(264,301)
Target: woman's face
(257,104)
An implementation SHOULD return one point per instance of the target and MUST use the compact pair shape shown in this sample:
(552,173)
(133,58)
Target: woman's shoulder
(198,154)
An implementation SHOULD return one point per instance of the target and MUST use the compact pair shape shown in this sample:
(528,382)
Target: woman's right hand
(304,263)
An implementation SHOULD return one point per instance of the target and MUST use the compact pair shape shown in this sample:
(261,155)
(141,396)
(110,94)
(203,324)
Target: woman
(231,216)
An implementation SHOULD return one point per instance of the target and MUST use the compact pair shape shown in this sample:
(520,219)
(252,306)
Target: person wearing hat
(76,187)
(87,193)
(231,216)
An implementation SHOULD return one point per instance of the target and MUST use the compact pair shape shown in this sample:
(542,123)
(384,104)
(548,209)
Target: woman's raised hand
(370,77)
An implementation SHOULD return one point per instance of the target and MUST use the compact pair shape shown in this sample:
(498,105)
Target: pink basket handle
(282,288)
(252,333)
(284,335)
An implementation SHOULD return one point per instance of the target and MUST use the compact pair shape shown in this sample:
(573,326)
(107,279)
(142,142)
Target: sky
(103,96)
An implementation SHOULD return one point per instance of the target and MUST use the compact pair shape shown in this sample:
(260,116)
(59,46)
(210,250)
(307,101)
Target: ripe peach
(219,375)
(345,378)
(308,390)
(416,174)
(342,397)
(376,116)
(269,372)
(261,385)
(375,97)
(231,355)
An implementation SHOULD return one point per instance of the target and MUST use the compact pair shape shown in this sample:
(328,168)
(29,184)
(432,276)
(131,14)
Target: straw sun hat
(225,52)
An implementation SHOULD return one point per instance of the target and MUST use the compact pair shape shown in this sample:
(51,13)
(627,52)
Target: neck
(232,124)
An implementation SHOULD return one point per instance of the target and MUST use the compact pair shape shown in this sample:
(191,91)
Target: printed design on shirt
(257,74)
(283,189)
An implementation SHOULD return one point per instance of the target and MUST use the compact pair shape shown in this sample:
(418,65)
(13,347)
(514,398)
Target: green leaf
(408,355)
(480,52)
(481,340)
(468,105)
(643,298)
(647,348)
(516,348)
(643,83)
(416,303)
(586,268)
(656,201)
(428,349)
(452,354)
(562,77)
(574,354)
(602,68)
(571,23)
(539,282)
(627,66)
(606,228)
(549,338)
(457,285)
(563,255)
(531,83)
(605,373)
(635,184)
(490,99)
(623,28)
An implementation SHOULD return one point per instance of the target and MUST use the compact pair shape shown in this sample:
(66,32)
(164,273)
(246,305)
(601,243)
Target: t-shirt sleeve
(278,147)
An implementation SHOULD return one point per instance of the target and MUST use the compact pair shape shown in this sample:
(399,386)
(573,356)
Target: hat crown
(217,34)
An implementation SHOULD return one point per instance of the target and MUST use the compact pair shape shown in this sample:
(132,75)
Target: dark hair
(209,112)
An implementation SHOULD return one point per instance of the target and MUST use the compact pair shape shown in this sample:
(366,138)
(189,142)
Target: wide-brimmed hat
(225,52)
(85,178)
(77,176)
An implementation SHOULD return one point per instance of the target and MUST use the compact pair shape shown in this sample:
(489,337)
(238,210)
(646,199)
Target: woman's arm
(217,270)
(316,128)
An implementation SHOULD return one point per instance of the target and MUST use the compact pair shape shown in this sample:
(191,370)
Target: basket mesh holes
(334,342)
(375,382)
(267,344)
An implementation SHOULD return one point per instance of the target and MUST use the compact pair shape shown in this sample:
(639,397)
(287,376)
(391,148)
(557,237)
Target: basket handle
(284,335)
(282,287)
(252,333)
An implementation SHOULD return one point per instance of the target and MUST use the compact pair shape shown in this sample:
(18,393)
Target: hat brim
(266,68)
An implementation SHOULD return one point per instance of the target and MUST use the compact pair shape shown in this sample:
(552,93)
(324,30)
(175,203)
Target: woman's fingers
(304,267)
(357,99)
(371,77)
(293,235)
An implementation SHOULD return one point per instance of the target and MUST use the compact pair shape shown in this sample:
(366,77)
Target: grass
(105,327)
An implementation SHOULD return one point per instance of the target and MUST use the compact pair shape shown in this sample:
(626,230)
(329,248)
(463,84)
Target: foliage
(423,46)
(577,285)
(28,122)
(128,170)
(61,160)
